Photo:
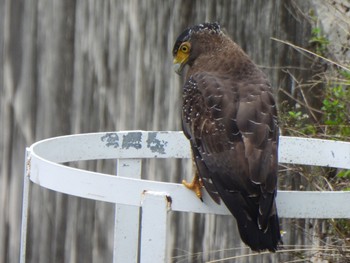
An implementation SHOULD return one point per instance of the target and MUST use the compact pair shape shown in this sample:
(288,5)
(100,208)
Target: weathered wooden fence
(142,205)
(69,67)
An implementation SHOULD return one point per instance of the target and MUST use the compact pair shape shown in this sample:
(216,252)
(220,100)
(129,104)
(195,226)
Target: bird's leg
(195,185)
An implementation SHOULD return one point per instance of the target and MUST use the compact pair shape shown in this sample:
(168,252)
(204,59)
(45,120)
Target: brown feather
(229,116)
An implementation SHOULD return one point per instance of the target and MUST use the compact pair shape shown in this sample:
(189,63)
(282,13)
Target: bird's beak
(178,67)
(179,62)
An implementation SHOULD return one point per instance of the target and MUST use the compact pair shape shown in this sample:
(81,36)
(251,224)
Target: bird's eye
(185,47)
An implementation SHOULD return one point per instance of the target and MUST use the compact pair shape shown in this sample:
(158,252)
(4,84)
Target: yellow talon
(195,186)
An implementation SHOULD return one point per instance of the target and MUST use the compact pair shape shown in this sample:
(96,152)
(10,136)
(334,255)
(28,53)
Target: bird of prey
(229,116)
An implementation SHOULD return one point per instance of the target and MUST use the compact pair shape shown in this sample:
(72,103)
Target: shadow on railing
(145,240)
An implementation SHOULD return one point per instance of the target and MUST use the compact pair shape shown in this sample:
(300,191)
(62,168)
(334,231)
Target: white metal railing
(137,240)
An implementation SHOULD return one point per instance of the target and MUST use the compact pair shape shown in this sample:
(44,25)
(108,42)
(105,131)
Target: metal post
(25,207)
(154,207)
(127,218)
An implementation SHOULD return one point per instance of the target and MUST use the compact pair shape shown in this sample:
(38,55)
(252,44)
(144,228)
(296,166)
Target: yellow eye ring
(185,47)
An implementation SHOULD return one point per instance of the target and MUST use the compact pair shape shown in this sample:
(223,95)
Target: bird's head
(186,48)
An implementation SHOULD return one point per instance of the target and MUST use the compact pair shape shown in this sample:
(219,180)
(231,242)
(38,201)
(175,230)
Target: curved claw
(196,186)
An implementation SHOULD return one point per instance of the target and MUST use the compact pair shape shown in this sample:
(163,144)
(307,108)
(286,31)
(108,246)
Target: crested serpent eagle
(229,116)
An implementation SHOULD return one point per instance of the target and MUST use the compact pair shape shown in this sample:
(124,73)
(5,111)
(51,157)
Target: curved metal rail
(44,166)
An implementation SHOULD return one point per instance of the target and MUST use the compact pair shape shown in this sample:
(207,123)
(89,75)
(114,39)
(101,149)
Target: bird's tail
(257,239)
